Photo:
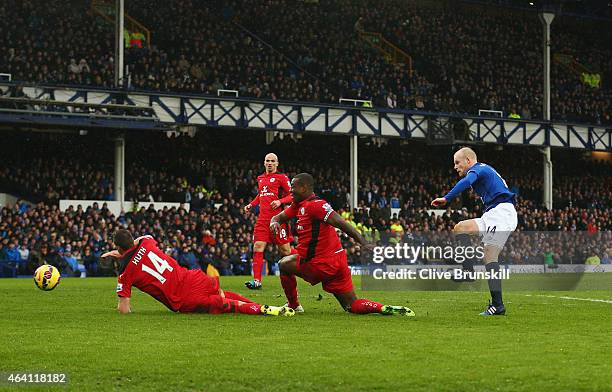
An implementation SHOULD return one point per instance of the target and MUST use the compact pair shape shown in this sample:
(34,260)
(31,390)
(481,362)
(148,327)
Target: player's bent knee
(215,304)
(346,300)
(459,227)
(287,264)
(285,250)
(282,266)
(259,246)
(348,306)
(466,226)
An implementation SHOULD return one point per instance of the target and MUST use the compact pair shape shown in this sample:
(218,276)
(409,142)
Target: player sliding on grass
(495,225)
(320,255)
(273,192)
(144,266)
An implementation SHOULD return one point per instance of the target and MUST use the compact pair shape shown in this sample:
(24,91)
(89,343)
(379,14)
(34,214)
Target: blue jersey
(487,183)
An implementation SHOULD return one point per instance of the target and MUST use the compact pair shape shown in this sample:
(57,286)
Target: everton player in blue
(495,225)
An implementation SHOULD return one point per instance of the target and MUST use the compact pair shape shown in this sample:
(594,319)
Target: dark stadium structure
(224,74)
(154,116)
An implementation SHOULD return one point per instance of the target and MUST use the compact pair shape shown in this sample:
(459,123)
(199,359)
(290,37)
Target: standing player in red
(320,256)
(274,191)
(144,266)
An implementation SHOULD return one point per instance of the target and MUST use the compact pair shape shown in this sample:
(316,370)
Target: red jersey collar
(309,198)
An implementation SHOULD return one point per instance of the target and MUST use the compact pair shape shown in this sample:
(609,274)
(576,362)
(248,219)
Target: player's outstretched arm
(113,253)
(124,305)
(338,222)
(459,187)
(440,201)
(276,222)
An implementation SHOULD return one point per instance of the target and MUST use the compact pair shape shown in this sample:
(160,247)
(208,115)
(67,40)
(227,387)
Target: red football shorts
(332,271)
(200,293)
(262,233)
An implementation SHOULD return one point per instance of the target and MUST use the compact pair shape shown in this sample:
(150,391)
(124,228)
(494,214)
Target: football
(46,277)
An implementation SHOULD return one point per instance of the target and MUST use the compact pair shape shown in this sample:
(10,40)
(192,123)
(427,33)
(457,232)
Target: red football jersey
(316,238)
(274,186)
(152,271)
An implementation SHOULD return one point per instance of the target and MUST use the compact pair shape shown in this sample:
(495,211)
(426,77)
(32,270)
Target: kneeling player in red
(320,257)
(144,266)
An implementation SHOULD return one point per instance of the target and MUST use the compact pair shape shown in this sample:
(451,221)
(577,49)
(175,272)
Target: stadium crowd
(316,55)
(397,182)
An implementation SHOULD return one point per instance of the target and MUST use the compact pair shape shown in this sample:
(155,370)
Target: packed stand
(47,167)
(494,63)
(316,55)
(216,182)
(59,43)
(74,239)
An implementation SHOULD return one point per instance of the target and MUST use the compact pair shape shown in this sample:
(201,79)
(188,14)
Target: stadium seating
(301,51)
(324,60)
(217,181)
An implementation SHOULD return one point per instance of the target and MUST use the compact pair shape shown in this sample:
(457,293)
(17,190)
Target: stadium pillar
(120,170)
(119,42)
(354,146)
(269,137)
(547,19)
(548,173)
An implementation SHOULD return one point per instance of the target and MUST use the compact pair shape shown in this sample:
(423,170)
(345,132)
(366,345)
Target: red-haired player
(144,266)
(273,192)
(320,257)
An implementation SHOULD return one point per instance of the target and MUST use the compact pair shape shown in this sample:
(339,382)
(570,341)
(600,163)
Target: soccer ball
(46,277)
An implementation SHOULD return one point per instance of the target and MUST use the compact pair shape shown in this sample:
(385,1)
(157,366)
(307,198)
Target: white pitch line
(606,301)
(589,299)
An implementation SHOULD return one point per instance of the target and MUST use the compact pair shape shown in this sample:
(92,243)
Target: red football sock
(289,284)
(249,308)
(236,296)
(258,262)
(363,306)
(224,305)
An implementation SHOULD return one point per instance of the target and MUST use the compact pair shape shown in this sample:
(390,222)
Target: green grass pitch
(545,343)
